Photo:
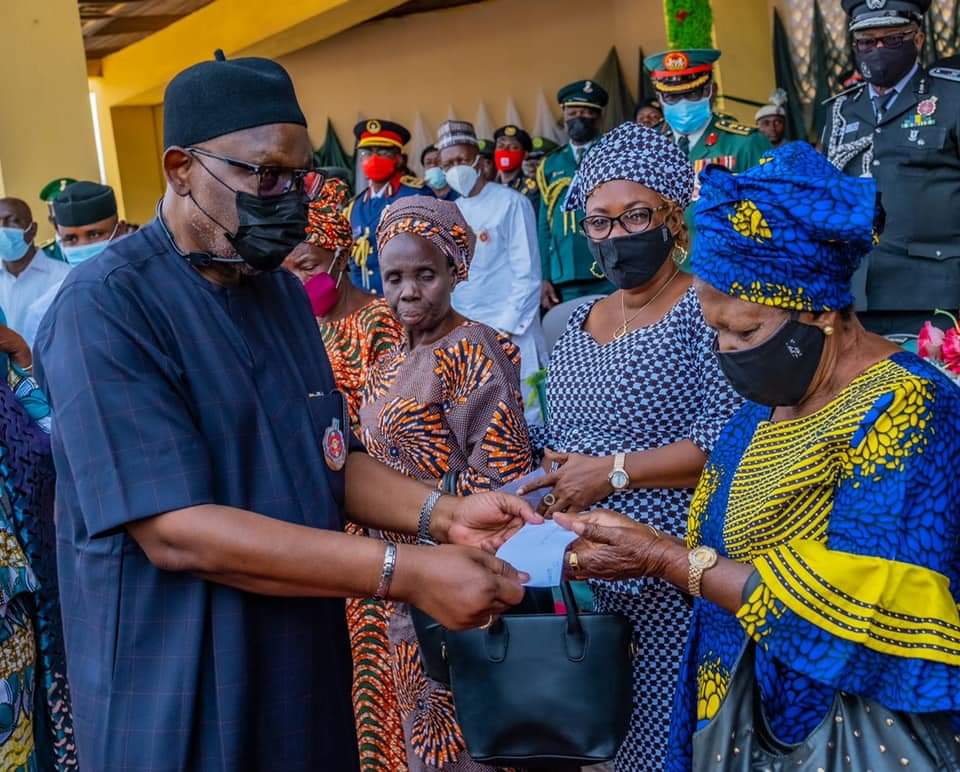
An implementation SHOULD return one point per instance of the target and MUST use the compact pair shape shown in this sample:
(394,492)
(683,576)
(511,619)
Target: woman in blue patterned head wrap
(825,531)
(634,395)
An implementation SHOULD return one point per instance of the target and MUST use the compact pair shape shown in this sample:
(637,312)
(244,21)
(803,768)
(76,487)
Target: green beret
(542,146)
(83,203)
(583,93)
(50,191)
(517,133)
(486,147)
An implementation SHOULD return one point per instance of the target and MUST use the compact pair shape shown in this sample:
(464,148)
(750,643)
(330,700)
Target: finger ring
(549,499)
(488,623)
(574,561)
(656,533)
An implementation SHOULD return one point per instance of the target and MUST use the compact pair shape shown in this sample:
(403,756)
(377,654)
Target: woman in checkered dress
(635,374)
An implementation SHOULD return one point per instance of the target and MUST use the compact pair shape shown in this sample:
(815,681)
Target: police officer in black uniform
(901,126)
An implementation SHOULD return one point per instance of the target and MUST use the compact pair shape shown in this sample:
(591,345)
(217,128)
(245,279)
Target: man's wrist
(442,519)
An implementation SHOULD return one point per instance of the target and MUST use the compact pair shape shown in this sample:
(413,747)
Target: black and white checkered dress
(658,385)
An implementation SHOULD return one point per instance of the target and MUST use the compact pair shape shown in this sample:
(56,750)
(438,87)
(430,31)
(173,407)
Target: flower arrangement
(941,349)
(689,23)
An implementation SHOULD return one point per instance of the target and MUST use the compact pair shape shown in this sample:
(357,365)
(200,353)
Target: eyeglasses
(366,152)
(694,95)
(598,227)
(272,180)
(889,41)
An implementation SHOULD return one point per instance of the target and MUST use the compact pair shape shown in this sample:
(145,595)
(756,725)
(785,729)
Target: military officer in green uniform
(684,81)
(901,126)
(569,270)
(48,194)
(485,164)
(511,145)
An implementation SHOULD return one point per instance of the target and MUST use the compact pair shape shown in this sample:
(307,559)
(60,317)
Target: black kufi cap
(83,203)
(214,98)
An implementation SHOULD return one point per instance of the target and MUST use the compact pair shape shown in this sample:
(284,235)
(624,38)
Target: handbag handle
(575,637)
(497,636)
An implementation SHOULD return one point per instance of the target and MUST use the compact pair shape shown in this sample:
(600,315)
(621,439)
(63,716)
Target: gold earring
(679,255)
(828,330)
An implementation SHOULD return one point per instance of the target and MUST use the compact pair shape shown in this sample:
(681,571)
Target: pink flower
(950,351)
(930,341)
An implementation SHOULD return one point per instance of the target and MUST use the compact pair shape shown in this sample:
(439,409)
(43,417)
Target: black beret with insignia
(514,131)
(583,93)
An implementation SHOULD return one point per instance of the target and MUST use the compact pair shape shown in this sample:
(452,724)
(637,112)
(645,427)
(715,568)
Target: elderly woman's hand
(614,547)
(578,481)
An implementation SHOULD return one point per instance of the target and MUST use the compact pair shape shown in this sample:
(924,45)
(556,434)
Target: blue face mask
(13,244)
(435,178)
(686,117)
(84,252)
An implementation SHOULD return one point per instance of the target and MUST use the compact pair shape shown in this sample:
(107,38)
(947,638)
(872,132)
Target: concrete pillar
(46,126)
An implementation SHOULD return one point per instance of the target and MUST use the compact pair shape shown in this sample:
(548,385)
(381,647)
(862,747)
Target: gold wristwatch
(700,559)
(619,478)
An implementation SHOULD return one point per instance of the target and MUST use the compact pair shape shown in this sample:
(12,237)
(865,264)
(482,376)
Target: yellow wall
(428,63)
(46,129)
(744,32)
(458,58)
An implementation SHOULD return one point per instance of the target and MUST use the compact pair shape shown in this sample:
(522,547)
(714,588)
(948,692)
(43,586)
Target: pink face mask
(323,291)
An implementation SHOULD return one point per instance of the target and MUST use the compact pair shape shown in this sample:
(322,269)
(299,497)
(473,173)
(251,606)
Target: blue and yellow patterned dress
(851,517)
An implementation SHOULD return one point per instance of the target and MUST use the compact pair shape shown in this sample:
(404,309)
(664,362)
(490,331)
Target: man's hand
(460,587)
(548,296)
(484,520)
(13,344)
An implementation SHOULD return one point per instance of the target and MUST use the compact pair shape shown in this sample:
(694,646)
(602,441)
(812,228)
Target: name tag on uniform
(851,127)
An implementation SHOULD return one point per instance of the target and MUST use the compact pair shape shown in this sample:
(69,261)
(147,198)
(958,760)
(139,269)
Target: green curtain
(786,77)
(331,152)
(621,106)
(819,56)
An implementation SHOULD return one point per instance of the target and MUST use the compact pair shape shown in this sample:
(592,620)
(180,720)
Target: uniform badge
(588,87)
(927,107)
(373,127)
(914,133)
(876,5)
(334,447)
(510,131)
(711,139)
(676,60)
(483,236)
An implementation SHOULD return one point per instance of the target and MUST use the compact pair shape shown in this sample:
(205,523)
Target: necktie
(881,103)
(683,142)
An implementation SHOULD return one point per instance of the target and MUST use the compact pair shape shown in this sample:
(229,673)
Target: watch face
(619,479)
(703,557)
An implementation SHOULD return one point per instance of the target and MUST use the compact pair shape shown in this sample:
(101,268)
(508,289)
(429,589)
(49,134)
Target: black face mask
(779,371)
(631,261)
(582,130)
(267,231)
(885,67)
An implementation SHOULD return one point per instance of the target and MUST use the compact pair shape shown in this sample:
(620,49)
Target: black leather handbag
(856,735)
(541,689)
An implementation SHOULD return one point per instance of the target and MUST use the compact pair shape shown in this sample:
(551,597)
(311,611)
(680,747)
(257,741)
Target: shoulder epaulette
(945,73)
(348,209)
(732,127)
(855,87)
(412,182)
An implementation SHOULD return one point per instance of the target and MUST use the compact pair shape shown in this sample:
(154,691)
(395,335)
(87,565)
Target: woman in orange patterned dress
(358,330)
(445,408)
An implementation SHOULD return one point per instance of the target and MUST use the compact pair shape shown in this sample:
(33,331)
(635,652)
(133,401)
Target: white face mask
(463,178)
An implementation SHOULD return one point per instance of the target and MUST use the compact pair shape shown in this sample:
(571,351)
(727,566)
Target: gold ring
(549,499)
(573,560)
(488,624)
(656,533)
